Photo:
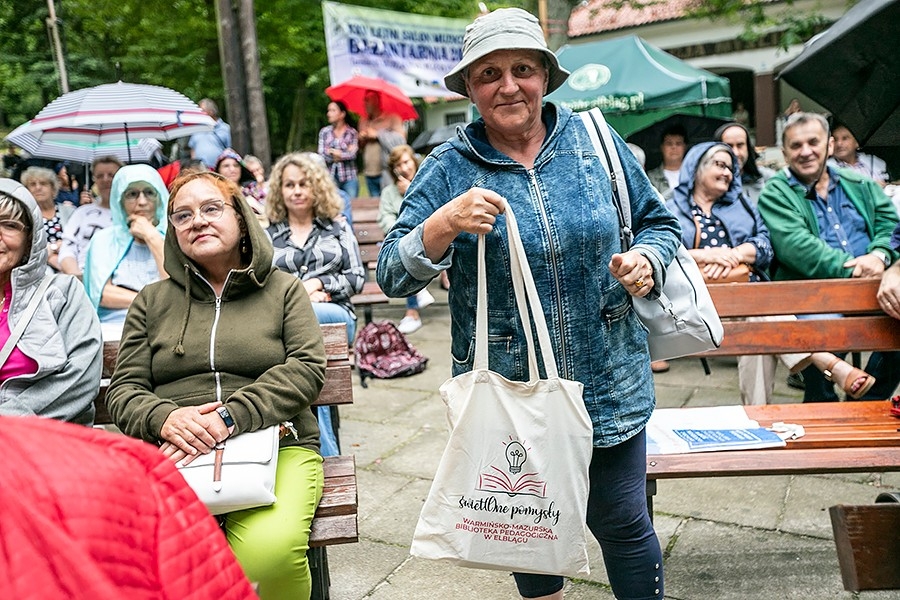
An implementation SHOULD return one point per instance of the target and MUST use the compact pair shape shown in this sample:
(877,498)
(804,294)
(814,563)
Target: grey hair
(802,118)
(209,105)
(41,174)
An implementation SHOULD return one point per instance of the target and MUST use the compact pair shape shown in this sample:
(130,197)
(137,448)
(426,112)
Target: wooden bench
(867,538)
(843,437)
(369,237)
(335,521)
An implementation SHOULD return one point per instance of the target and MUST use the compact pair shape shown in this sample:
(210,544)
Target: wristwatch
(226,416)
(884,257)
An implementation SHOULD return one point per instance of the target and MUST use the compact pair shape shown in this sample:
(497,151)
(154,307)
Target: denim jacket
(570,230)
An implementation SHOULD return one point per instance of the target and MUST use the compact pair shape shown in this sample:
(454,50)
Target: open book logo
(496,479)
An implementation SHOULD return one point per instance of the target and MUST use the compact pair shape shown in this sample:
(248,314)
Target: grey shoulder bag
(682,320)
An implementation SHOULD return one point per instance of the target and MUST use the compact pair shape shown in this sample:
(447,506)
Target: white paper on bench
(706,429)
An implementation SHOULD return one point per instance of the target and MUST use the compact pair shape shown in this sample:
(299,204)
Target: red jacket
(90,514)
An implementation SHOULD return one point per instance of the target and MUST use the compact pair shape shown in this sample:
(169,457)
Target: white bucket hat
(503,29)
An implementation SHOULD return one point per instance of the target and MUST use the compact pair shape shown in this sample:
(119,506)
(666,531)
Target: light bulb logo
(515,456)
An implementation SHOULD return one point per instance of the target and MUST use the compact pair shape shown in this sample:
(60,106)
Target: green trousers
(271,542)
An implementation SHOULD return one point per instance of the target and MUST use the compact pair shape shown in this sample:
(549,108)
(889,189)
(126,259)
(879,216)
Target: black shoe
(795,380)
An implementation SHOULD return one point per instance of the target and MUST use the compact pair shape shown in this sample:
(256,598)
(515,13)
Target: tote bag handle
(526,295)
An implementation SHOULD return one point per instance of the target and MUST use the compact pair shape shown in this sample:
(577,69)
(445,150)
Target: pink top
(17,363)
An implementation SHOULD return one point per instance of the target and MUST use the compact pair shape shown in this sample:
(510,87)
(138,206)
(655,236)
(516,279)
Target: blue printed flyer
(706,429)
(705,440)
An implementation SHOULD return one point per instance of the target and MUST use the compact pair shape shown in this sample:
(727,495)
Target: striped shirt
(330,254)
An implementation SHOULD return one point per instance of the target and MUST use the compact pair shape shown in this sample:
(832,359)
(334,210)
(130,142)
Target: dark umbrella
(852,70)
(698,128)
(427,140)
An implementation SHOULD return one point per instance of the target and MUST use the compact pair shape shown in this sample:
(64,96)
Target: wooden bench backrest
(338,388)
(364,203)
(369,237)
(866,328)
(366,229)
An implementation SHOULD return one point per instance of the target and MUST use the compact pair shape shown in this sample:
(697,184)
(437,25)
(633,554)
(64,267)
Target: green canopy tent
(636,84)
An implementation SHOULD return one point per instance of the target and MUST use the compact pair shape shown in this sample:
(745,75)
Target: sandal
(853,377)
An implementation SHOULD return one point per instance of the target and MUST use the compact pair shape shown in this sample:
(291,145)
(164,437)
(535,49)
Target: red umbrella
(352,93)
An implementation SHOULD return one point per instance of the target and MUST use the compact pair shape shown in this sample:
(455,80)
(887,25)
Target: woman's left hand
(633,271)
(316,290)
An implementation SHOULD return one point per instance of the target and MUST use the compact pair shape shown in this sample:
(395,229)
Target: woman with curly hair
(313,242)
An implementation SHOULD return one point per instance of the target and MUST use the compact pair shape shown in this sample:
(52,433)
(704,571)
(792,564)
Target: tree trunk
(256,102)
(295,132)
(233,75)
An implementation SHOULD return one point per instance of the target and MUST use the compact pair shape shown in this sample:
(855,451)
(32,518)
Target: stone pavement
(741,538)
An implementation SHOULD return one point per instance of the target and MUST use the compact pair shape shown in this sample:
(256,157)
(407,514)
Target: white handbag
(246,472)
(511,489)
(682,320)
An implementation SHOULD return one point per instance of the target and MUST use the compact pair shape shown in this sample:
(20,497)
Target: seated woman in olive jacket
(228,344)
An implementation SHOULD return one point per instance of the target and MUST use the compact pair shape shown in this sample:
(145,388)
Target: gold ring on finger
(639,283)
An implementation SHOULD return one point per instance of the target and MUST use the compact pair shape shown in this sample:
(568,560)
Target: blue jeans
(412,303)
(374,185)
(328,312)
(351,186)
(617,516)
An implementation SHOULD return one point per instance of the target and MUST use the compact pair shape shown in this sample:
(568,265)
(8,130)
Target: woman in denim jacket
(541,160)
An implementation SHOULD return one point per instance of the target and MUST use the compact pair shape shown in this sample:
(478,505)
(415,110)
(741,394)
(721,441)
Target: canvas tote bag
(683,319)
(511,489)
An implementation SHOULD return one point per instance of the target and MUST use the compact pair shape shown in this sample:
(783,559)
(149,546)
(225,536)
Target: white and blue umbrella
(141,150)
(117,112)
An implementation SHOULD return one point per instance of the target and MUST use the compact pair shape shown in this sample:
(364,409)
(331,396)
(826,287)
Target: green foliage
(175,44)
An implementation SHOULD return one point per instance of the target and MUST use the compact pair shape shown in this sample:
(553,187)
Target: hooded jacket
(741,220)
(257,347)
(110,245)
(570,229)
(63,336)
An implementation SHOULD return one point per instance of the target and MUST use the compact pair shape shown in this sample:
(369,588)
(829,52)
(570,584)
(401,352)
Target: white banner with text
(413,52)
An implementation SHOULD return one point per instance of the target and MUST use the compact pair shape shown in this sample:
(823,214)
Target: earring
(245,245)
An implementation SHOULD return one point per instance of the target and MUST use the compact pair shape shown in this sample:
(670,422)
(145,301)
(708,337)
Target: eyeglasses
(209,211)
(722,165)
(9,228)
(131,195)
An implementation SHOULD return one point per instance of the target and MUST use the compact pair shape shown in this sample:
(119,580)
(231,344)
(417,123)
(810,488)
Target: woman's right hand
(474,211)
(402,184)
(142,229)
(193,430)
